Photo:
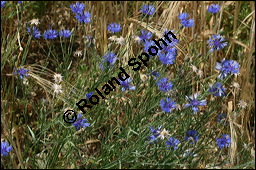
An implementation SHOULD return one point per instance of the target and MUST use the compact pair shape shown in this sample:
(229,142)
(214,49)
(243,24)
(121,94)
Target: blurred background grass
(35,128)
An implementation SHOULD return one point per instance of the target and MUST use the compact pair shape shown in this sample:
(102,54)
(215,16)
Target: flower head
(65,33)
(81,123)
(114,27)
(192,135)
(145,35)
(183,16)
(164,133)
(57,88)
(167,105)
(22,72)
(235,85)
(148,44)
(172,142)
(34,31)
(120,40)
(77,7)
(78,53)
(227,67)
(187,23)
(126,84)
(57,78)
(224,141)
(217,89)
(88,95)
(148,10)
(174,40)
(214,8)
(242,104)
(109,59)
(194,103)
(167,58)
(84,17)
(156,132)
(184,21)
(34,21)
(216,42)
(5,148)
(164,85)
(50,34)
(3,4)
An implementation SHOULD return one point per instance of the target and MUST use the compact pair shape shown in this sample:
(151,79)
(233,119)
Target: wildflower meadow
(127,84)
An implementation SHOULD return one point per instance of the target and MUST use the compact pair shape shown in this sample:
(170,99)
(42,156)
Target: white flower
(194,68)
(78,53)
(242,104)
(57,78)
(25,81)
(163,134)
(34,21)
(200,73)
(113,38)
(177,107)
(235,85)
(57,88)
(120,40)
(137,39)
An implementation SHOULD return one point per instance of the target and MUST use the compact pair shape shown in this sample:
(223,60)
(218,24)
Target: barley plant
(127,84)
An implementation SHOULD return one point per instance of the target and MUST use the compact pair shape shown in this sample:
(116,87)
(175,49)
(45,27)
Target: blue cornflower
(217,89)
(156,132)
(22,72)
(3,4)
(50,34)
(65,33)
(214,8)
(194,103)
(19,2)
(184,21)
(183,16)
(88,95)
(84,17)
(227,67)
(167,58)
(114,27)
(126,84)
(172,142)
(148,44)
(164,85)
(167,105)
(145,35)
(187,23)
(34,31)
(169,44)
(216,42)
(80,123)
(224,141)
(77,8)
(109,58)
(192,135)
(5,148)
(148,10)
